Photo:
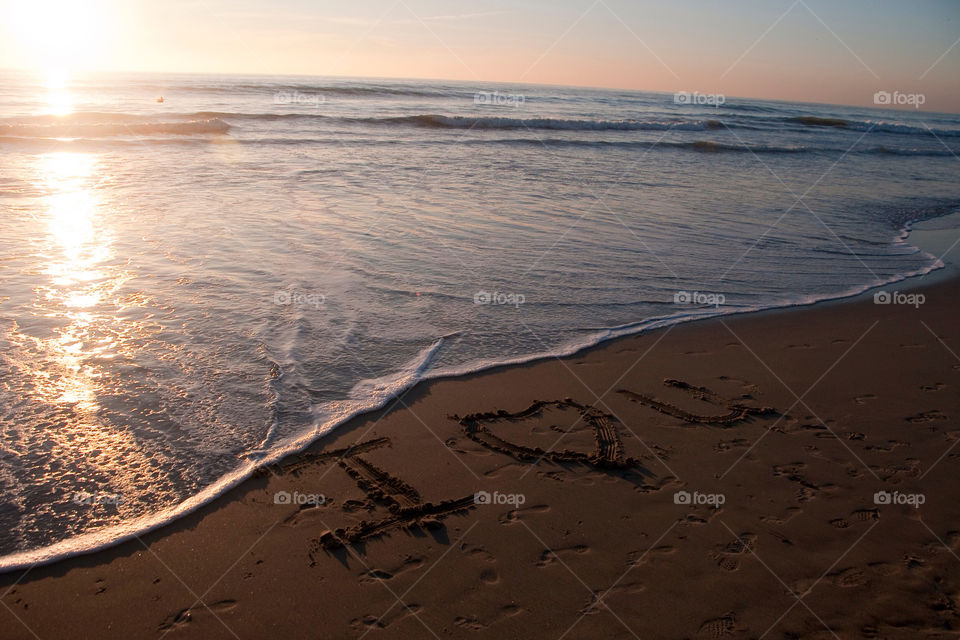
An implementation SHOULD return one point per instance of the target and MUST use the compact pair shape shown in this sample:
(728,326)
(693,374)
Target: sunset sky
(806,50)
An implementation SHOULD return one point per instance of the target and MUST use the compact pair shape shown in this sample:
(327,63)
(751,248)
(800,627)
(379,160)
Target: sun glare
(58,36)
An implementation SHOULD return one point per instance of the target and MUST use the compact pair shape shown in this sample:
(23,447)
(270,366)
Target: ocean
(193,288)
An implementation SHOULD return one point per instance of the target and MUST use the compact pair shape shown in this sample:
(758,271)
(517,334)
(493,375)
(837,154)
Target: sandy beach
(785,474)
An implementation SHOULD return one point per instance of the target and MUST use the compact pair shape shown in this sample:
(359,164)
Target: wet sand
(785,474)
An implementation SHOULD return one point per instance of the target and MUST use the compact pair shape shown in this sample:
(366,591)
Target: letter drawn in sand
(735,412)
(403,501)
(608,449)
(608,452)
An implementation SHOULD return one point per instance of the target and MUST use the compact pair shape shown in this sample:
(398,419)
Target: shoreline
(943,236)
(864,405)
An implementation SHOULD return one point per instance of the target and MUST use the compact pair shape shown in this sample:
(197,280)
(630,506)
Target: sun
(58,36)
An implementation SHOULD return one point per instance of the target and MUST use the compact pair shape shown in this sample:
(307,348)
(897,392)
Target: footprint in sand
(781,537)
(512,516)
(845,579)
(948,543)
(556,476)
(729,445)
(551,556)
(927,416)
(697,519)
(791,513)
(470,623)
(477,553)
(186,616)
(859,516)
(789,469)
(399,612)
(640,558)
(409,563)
(729,556)
(889,446)
(721,627)
(473,623)
(489,576)
(848,578)
(597,601)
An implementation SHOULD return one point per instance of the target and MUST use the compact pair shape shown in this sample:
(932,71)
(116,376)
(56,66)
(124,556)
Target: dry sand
(794,420)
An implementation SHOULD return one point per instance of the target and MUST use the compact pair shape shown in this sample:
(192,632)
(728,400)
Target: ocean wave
(703,146)
(99,124)
(709,146)
(73,129)
(878,126)
(439,121)
(435,121)
(815,121)
(425,120)
(698,146)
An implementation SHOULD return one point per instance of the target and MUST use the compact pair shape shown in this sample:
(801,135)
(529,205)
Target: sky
(832,51)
